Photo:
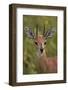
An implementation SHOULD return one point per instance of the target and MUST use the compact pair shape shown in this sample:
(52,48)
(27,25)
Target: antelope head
(40,40)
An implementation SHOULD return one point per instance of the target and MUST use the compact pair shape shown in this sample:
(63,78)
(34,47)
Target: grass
(29,62)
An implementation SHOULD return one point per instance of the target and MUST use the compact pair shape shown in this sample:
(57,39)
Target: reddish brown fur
(39,39)
(47,64)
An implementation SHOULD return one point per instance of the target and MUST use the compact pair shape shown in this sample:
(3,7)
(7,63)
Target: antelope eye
(36,43)
(45,43)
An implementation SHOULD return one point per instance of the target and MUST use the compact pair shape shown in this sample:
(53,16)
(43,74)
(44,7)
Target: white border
(38,77)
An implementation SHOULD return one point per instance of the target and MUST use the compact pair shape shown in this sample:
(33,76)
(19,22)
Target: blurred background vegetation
(29,62)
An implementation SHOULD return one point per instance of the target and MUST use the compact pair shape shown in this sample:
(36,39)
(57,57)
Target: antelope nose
(41,50)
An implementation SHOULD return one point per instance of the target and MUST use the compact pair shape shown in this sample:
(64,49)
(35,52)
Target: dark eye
(45,43)
(36,43)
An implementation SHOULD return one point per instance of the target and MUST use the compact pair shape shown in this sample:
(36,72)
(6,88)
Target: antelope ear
(29,33)
(49,33)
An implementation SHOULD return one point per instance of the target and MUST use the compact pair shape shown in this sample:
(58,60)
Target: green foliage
(30,59)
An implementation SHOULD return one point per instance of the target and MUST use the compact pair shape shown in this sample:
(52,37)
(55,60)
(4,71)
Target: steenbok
(44,64)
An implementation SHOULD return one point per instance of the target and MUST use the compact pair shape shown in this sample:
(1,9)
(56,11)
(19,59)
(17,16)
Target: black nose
(41,50)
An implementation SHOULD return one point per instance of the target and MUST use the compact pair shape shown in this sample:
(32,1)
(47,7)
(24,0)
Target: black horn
(37,30)
(44,30)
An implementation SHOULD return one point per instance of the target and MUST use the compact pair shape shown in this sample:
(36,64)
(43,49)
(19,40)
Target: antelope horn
(37,30)
(44,30)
